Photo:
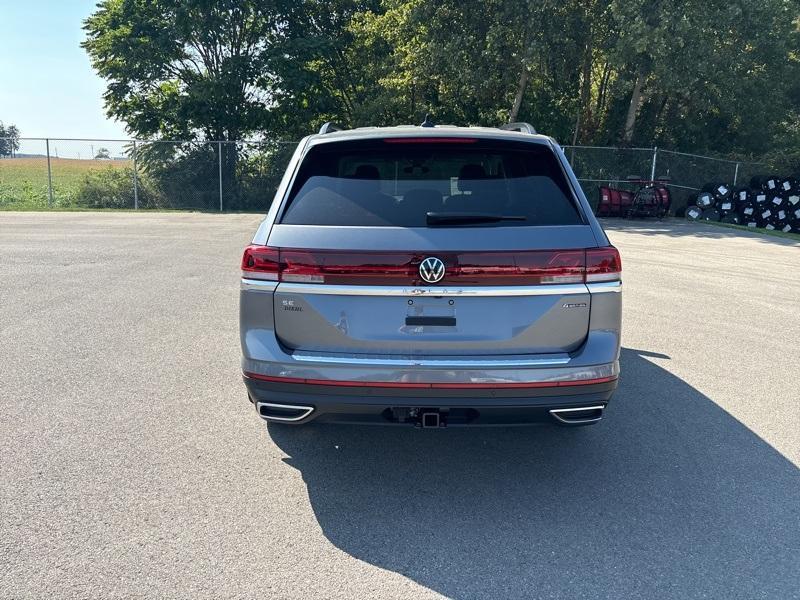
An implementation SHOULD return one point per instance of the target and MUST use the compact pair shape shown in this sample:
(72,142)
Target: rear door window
(396,182)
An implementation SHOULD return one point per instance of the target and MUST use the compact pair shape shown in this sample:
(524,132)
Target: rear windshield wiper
(435,218)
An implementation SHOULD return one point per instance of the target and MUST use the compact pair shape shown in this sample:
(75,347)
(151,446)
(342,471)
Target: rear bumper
(361,404)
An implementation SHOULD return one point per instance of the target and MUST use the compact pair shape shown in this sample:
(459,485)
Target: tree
(186,69)
(9,140)
(697,69)
(697,75)
(103,154)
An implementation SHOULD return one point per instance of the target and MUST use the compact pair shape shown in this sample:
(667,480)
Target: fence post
(653,166)
(49,175)
(736,174)
(135,180)
(219,148)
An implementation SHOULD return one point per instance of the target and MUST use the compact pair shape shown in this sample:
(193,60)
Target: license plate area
(431,312)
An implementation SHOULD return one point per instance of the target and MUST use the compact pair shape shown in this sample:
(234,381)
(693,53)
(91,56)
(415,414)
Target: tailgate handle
(440,321)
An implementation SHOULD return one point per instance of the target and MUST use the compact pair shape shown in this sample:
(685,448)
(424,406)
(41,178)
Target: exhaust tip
(582,415)
(284,413)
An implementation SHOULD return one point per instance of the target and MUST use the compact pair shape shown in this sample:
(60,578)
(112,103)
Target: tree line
(700,75)
(9,139)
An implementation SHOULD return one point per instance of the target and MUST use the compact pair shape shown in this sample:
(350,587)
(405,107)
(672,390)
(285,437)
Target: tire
(710,214)
(742,196)
(705,200)
(731,218)
(722,191)
(750,222)
(778,202)
(760,197)
(748,211)
(788,185)
(771,184)
(726,206)
(693,213)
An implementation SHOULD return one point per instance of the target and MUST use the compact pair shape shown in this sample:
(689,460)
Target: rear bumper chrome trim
(433,363)
(475,291)
(605,287)
(258,284)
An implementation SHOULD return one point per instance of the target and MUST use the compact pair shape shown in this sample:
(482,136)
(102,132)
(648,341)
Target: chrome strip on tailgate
(258,284)
(443,363)
(605,287)
(385,290)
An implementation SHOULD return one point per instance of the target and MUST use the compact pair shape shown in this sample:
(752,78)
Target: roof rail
(329,127)
(521,127)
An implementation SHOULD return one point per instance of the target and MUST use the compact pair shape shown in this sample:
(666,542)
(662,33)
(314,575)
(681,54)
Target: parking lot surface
(131,463)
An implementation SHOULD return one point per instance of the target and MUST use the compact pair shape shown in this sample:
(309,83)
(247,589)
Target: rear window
(397,182)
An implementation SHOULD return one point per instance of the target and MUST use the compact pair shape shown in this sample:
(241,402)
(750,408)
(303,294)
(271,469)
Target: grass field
(23,181)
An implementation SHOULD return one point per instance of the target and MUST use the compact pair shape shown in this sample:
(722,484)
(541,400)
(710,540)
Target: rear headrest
(468,175)
(367,172)
(368,178)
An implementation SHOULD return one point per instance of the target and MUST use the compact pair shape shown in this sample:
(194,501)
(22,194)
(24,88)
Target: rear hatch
(431,247)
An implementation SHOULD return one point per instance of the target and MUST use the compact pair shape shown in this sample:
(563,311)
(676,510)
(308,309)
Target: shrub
(113,188)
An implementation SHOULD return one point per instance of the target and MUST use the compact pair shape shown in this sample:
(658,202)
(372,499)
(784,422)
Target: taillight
(357,268)
(603,264)
(334,267)
(517,268)
(261,262)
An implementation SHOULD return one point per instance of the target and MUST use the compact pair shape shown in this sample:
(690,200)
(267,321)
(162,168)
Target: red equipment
(650,199)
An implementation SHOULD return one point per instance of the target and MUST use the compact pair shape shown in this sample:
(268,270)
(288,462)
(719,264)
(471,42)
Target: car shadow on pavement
(668,497)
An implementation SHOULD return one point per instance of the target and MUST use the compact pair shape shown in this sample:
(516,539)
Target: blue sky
(47,86)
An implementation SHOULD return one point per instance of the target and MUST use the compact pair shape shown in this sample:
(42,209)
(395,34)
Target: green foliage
(704,76)
(9,139)
(185,68)
(113,188)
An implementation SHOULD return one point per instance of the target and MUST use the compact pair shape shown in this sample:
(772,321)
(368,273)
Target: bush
(113,188)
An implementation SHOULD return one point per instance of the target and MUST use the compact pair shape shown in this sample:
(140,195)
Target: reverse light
(603,264)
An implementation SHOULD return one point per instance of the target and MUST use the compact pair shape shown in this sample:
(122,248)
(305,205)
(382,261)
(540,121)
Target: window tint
(396,184)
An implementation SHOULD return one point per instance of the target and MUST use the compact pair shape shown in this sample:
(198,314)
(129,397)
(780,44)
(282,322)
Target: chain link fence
(243,176)
(685,173)
(94,173)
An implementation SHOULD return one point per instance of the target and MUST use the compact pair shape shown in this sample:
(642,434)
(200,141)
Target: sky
(47,86)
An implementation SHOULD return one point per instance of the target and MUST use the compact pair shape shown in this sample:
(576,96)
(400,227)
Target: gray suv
(430,276)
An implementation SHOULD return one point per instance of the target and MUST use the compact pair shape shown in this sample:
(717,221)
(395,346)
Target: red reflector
(603,264)
(418,385)
(429,140)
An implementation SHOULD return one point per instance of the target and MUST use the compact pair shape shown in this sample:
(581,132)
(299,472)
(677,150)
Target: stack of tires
(767,203)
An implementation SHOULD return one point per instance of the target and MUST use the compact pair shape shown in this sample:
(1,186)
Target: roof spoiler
(521,127)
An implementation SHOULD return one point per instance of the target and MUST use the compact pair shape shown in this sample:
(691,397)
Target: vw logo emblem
(431,270)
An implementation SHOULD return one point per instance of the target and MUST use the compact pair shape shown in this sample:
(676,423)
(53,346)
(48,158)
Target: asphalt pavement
(132,464)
